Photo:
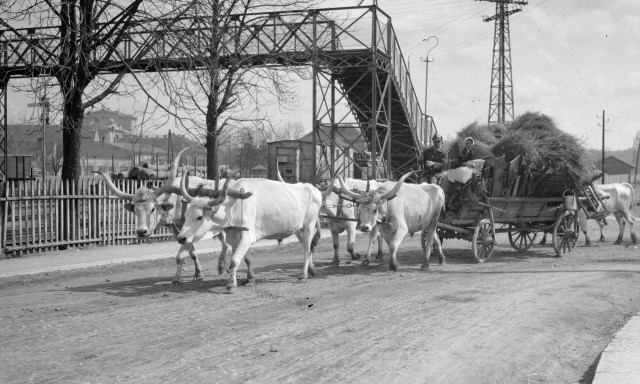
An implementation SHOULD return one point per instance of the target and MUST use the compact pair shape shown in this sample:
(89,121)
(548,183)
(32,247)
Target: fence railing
(43,215)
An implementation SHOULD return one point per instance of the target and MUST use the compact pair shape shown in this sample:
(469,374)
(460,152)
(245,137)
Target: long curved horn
(114,189)
(175,164)
(183,188)
(327,191)
(278,173)
(368,185)
(166,186)
(223,194)
(396,188)
(346,191)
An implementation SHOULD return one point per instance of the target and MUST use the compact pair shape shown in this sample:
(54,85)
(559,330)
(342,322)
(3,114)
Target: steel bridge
(353,52)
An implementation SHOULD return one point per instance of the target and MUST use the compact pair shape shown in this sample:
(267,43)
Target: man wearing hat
(434,160)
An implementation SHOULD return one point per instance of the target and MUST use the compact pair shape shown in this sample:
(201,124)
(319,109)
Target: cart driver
(434,160)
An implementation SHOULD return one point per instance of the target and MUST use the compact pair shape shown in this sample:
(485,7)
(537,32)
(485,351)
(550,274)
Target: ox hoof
(365,263)
(221,270)
(442,262)
(335,263)
(379,257)
(424,267)
(355,256)
(617,242)
(176,282)
(634,238)
(393,267)
(302,279)
(250,283)
(312,271)
(230,289)
(198,277)
(587,244)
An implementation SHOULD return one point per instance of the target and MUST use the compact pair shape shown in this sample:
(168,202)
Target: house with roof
(617,170)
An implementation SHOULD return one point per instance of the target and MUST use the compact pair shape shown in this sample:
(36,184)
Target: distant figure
(434,160)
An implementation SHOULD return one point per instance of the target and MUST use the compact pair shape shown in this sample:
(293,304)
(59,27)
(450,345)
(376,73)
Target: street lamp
(426,78)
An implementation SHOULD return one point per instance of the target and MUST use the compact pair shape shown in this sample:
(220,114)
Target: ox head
(149,204)
(208,213)
(370,204)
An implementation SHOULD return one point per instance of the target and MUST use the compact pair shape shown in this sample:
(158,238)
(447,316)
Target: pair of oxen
(245,211)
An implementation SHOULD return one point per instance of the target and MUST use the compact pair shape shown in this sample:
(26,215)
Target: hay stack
(542,144)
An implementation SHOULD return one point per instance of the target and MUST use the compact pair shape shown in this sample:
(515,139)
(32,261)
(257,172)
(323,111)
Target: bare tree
(288,131)
(81,45)
(229,88)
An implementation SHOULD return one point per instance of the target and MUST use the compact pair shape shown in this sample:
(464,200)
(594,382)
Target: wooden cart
(477,219)
(520,217)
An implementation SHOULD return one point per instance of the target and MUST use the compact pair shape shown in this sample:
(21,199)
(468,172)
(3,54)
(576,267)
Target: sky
(571,60)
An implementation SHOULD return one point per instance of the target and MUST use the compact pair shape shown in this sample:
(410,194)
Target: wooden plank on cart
(512,175)
(498,176)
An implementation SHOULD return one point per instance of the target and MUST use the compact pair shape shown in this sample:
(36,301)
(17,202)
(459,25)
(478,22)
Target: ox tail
(316,236)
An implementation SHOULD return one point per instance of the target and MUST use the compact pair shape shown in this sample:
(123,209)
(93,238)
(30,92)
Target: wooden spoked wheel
(483,241)
(521,241)
(565,233)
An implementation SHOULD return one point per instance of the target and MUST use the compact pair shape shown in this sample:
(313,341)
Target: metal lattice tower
(501,98)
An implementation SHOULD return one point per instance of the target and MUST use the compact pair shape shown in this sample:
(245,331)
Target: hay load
(545,149)
(551,161)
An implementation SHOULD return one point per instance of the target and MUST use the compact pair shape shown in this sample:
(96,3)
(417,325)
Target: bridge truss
(353,51)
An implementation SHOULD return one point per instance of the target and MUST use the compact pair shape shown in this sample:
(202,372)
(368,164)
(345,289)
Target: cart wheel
(521,241)
(483,241)
(565,232)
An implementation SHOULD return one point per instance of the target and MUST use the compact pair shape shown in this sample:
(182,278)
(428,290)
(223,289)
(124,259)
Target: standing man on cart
(434,160)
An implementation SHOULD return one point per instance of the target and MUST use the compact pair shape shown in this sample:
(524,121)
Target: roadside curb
(620,361)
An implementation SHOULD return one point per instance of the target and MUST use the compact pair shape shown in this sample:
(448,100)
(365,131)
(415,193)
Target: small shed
(617,171)
(259,171)
(615,166)
(19,166)
(295,158)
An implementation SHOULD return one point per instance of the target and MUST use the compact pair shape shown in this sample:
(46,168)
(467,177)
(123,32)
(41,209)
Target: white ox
(617,199)
(162,207)
(398,209)
(267,210)
(334,205)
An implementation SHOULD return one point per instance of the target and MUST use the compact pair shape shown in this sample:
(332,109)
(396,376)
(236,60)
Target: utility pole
(44,117)
(603,121)
(426,87)
(501,105)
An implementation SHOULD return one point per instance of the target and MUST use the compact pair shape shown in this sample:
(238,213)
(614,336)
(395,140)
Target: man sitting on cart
(434,160)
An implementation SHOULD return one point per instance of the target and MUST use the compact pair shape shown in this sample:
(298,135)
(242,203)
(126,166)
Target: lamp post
(426,80)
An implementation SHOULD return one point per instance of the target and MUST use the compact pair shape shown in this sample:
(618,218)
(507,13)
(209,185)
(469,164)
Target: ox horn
(114,189)
(396,188)
(183,188)
(223,194)
(278,173)
(346,191)
(166,186)
(368,185)
(328,189)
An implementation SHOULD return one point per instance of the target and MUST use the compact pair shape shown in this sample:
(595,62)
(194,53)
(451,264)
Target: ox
(398,209)
(161,207)
(336,209)
(268,210)
(617,199)
(341,216)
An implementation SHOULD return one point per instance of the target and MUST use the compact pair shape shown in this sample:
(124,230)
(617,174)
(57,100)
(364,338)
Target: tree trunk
(72,135)
(212,148)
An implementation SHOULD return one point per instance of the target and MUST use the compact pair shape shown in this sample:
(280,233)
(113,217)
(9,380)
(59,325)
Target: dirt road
(519,318)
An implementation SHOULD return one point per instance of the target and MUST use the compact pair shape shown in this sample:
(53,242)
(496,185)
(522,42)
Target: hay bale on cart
(535,165)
